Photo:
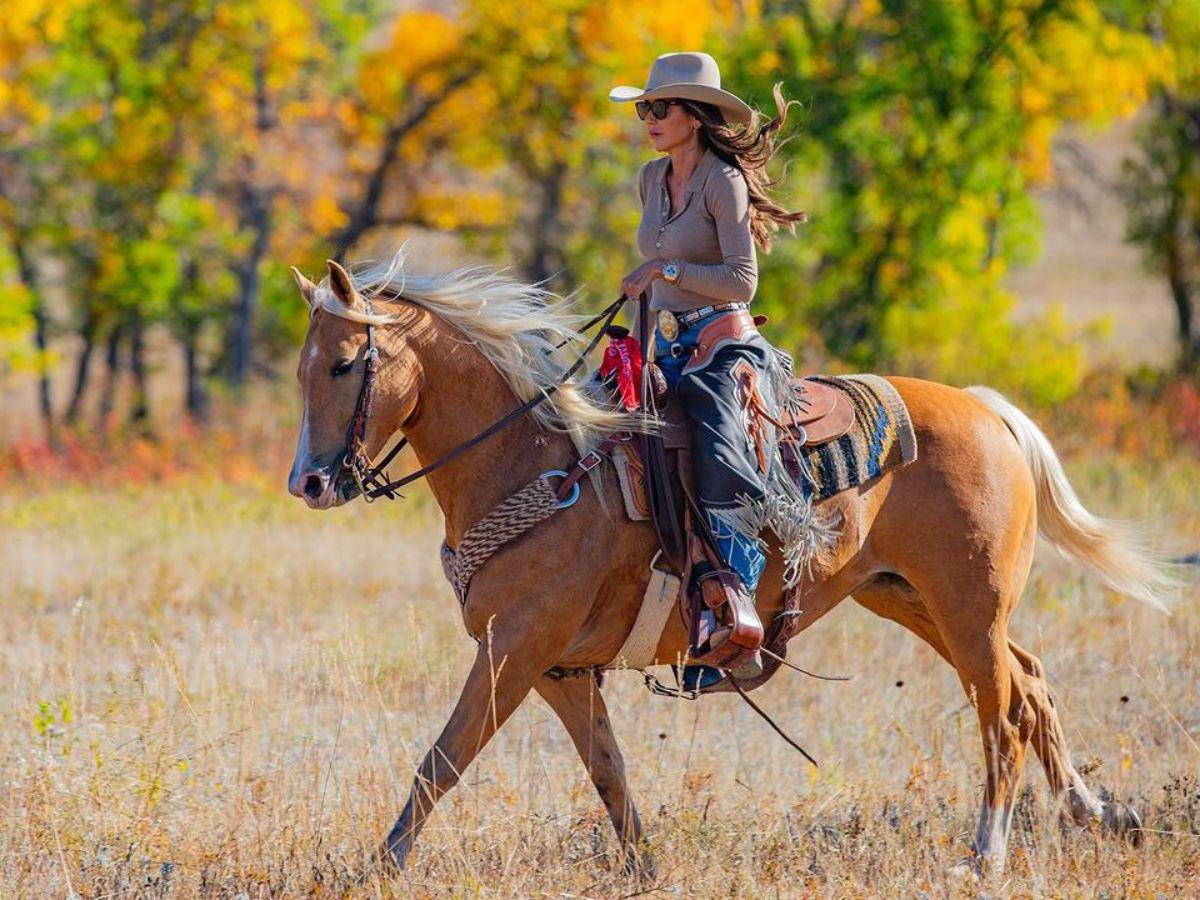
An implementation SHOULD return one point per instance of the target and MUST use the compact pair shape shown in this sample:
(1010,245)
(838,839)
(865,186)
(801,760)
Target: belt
(692,316)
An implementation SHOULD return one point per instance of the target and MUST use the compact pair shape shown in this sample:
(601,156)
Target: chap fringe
(802,533)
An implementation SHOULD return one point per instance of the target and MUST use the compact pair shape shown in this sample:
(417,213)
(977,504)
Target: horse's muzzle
(323,488)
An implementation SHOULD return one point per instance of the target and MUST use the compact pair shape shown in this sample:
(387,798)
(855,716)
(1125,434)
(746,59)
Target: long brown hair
(749,149)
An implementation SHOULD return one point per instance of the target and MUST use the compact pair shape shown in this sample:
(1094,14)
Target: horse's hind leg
(580,705)
(979,653)
(1051,747)
(969,607)
(1006,720)
(1006,723)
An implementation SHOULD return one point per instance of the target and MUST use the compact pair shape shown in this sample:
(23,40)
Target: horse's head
(331,371)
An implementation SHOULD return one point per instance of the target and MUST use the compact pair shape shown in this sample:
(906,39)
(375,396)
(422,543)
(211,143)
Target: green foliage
(924,127)
(52,717)
(1162,185)
(16,318)
(172,159)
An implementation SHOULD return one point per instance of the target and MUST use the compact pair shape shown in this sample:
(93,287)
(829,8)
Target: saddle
(820,414)
(655,474)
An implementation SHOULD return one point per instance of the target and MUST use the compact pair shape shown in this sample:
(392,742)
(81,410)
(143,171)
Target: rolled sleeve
(727,200)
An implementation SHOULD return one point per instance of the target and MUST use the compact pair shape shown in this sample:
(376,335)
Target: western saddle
(656,478)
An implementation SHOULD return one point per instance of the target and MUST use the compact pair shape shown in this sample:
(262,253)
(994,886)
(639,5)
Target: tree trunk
(139,413)
(1189,340)
(256,215)
(196,395)
(366,213)
(41,335)
(112,374)
(546,257)
(83,367)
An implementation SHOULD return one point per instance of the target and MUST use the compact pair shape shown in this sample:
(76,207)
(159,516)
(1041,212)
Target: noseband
(372,480)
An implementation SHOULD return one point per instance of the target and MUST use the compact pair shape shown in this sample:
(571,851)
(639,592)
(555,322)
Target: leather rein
(373,480)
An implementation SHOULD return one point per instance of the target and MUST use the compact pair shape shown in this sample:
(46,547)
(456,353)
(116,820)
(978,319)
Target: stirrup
(737,639)
(750,668)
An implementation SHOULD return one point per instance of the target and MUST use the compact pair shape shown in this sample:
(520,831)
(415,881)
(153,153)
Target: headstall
(372,480)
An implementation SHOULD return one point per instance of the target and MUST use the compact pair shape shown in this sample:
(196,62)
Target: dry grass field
(209,690)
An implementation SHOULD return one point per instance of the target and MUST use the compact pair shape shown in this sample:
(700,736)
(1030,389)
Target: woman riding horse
(704,207)
(942,544)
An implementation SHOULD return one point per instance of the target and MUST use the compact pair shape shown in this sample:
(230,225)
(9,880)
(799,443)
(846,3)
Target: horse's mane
(514,324)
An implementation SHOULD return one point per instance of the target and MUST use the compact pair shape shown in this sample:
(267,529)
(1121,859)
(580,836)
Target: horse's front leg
(580,706)
(523,625)
(497,683)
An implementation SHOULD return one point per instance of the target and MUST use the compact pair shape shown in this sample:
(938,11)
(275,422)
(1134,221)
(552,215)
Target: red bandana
(623,356)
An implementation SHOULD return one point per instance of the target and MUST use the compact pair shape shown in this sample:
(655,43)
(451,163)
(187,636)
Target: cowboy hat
(687,76)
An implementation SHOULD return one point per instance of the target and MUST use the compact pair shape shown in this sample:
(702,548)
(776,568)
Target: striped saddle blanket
(881,437)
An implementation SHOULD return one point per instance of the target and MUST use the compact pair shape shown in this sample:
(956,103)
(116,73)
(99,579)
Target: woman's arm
(736,277)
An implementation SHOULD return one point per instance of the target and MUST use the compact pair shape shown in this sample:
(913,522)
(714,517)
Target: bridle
(373,480)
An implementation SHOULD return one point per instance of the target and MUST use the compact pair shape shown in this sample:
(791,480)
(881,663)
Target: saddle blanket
(881,438)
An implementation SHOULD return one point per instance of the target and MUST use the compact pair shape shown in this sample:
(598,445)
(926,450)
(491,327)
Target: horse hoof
(387,862)
(640,865)
(1122,820)
(965,872)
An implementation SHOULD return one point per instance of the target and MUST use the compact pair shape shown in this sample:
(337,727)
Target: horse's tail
(1118,551)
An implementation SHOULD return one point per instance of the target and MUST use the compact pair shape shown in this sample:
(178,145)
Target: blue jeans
(724,457)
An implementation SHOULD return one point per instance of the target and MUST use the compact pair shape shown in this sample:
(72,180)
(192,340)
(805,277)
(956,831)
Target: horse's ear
(307,288)
(341,284)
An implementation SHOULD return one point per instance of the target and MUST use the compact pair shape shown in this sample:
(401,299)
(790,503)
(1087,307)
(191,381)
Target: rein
(372,480)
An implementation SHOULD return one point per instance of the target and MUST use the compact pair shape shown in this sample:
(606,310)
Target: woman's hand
(638,281)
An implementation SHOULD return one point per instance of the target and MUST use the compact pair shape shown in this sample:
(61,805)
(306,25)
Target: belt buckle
(668,325)
(590,460)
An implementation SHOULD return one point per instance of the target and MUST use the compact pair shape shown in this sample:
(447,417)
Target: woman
(704,207)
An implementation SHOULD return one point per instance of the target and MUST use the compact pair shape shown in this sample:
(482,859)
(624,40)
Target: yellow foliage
(448,210)
(1085,69)
(422,42)
(324,214)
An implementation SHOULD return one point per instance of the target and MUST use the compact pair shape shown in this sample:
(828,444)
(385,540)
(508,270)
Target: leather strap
(690,317)
(589,461)
(372,477)
(659,488)
(737,326)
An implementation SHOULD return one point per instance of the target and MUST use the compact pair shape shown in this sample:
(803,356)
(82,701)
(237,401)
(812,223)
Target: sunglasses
(658,107)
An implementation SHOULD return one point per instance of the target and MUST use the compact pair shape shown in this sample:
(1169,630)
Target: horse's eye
(342,368)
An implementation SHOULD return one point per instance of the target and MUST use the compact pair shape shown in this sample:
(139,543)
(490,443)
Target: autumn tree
(925,126)
(30,31)
(164,162)
(1161,185)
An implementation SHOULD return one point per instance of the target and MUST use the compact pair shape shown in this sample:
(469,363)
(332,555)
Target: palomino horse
(459,351)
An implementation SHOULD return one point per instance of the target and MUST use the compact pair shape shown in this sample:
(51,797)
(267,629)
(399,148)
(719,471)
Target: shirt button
(658,243)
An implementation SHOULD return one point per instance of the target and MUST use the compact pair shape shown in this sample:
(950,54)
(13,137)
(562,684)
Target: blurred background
(1006,192)
(211,690)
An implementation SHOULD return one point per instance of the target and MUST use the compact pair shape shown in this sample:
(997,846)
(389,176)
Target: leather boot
(747,560)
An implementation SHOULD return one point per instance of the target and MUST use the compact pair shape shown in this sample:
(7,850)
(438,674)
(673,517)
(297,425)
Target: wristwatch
(670,273)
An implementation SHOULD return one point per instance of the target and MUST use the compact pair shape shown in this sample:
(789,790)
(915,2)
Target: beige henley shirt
(708,237)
